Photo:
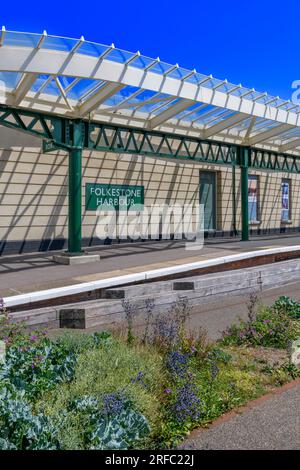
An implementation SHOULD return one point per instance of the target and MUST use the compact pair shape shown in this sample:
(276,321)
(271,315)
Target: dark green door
(208,198)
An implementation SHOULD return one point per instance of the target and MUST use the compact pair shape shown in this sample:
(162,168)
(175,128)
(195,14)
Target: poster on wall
(285,200)
(252,198)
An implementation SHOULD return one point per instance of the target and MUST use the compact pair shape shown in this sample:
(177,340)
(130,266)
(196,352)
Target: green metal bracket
(52,146)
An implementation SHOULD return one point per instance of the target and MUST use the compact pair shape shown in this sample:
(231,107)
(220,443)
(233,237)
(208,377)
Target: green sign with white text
(113,197)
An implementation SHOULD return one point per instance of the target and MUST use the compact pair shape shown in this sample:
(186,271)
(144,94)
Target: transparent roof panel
(178,73)
(151,104)
(162,107)
(244,125)
(9,80)
(39,82)
(161,68)
(142,62)
(121,95)
(58,43)
(66,81)
(21,39)
(116,55)
(143,103)
(187,112)
(140,99)
(92,49)
(208,110)
(52,89)
(264,125)
(218,117)
(83,87)
(198,112)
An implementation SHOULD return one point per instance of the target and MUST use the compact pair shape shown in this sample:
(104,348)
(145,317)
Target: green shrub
(111,368)
(112,423)
(84,391)
(288,306)
(270,328)
(20,429)
(35,364)
(37,368)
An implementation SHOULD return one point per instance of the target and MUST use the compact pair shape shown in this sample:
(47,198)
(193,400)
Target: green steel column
(244,163)
(234,200)
(75,183)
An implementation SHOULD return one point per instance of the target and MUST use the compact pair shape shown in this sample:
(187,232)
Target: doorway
(207,197)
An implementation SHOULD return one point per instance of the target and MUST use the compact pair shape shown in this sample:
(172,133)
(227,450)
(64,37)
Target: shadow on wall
(33,192)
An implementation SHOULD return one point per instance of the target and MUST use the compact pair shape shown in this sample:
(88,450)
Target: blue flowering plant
(182,395)
(169,328)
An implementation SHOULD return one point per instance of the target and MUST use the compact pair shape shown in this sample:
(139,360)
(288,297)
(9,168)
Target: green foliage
(110,368)
(118,429)
(84,391)
(36,364)
(37,368)
(270,328)
(20,428)
(280,374)
(219,355)
(119,432)
(288,306)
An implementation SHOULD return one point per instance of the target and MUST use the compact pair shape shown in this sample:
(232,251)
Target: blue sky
(250,42)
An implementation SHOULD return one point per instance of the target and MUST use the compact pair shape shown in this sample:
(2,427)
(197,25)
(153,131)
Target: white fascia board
(275,131)
(224,124)
(289,145)
(43,61)
(169,113)
(98,97)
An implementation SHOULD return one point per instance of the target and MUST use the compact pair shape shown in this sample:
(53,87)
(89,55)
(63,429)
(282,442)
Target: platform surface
(37,271)
(269,423)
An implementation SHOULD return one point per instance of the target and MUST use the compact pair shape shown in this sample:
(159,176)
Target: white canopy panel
(77,78)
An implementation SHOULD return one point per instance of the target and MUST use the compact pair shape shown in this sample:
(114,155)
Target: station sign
(113,197)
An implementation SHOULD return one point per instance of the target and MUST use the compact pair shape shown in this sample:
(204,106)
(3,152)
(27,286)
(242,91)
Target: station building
(75,114)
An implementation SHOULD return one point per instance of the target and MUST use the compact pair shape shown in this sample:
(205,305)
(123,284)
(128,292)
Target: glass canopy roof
(78,78)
